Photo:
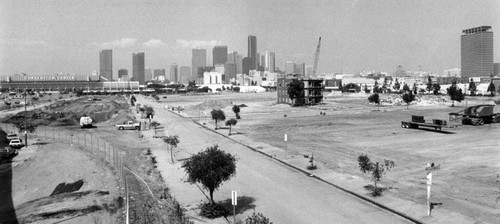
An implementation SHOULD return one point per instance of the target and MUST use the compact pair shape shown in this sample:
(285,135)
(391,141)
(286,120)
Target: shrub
(213,211)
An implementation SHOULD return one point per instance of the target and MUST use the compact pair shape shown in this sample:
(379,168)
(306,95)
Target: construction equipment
(476,115)
(316,57)
(418,121)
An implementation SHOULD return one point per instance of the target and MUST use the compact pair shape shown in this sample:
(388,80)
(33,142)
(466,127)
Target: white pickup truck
(129,125)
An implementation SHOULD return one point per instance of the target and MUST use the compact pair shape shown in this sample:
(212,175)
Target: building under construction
(313,91)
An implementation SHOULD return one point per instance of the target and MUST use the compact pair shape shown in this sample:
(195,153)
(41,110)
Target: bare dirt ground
(468,155)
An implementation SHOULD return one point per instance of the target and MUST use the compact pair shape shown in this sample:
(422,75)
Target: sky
(54,36)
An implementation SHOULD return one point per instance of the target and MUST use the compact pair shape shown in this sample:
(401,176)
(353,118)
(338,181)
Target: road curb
(309,174)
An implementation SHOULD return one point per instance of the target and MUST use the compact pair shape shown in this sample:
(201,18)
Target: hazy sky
(49,36)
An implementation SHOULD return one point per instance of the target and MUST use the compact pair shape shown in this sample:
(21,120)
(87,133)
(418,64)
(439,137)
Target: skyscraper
(148,75)
(229,72)
(184,73)
(219,55)
(106,64)
(198,63)
(289,67)
(158,72)
(477,51)
(252,51)
(247,64)
(138,67)
(300,68)
(174,77)
(122,73)
(270,60)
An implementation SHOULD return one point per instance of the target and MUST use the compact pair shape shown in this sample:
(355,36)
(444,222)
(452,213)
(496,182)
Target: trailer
(418,121)
(476,115)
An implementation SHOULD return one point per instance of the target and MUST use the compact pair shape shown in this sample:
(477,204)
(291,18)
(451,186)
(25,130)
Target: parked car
(129,125)
(16,143)
(11,136)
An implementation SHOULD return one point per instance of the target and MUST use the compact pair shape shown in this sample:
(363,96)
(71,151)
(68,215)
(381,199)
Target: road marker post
(234,202)
(286,148)
(429,183)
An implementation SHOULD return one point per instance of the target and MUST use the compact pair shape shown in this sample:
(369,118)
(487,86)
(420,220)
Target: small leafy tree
(408,97)
(374,98)
(296,91)
(436,88)
(231,122)
(257,218)
(236,110)
(218,115)
(397,86)
(377,170)
(210,167)
(149,111)
(455,93)
(415,89)
(429,84)
(155,125)
(406,88)
(491,89)
(472,88)
(172,142)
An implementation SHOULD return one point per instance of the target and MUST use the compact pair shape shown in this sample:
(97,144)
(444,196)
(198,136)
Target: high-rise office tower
(174,73)
(269,61)
(247,65)
(158,72)
(477,52)
(263,62)
(257,59)
(148,74)
(231,57)
(219,55)
(239,64)
(198,63)
(229,72)
(138,67)
(252,51)
(184,73)
(106,64)
(300,68)
(122,73)
(289,67)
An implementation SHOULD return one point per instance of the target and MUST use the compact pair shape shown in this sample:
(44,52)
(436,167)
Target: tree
(491,89)
(455,93)
(231,122)
(406,88)
(218,115)
(415,89)
(472,88)
(377,170)
(31,128)
(148,111)
(436,88)
(408,97)
(172,142)
(210,167)
(374,98)
(397,86)
(376,89)
(296,91)
(155,125)
(257,218)
(236,110)
(429,84)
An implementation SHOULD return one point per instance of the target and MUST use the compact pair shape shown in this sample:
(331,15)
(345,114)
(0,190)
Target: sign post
(429,183)
(286,139)
(234,201)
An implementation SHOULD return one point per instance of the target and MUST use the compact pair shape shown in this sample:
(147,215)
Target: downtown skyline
(55,36)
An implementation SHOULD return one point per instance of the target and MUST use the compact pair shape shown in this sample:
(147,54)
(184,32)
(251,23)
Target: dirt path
(282,194)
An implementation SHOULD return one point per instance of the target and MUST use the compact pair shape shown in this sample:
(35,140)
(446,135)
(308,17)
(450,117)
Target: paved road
(281,193)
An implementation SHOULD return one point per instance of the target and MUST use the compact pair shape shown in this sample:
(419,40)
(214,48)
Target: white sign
(429,178)
(234,197)
(286,137)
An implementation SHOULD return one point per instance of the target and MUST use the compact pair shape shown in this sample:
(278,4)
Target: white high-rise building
(270,61)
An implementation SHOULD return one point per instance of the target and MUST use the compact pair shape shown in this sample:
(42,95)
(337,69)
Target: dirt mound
(212,104)
(64,113)
(120,117)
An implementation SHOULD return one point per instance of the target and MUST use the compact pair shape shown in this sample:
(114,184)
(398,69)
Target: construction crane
(316,57)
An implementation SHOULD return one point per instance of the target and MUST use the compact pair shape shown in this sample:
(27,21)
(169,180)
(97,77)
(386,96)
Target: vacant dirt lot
(468,155)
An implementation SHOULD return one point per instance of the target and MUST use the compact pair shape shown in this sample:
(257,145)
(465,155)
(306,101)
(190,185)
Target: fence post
(91,145)
(98,147)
